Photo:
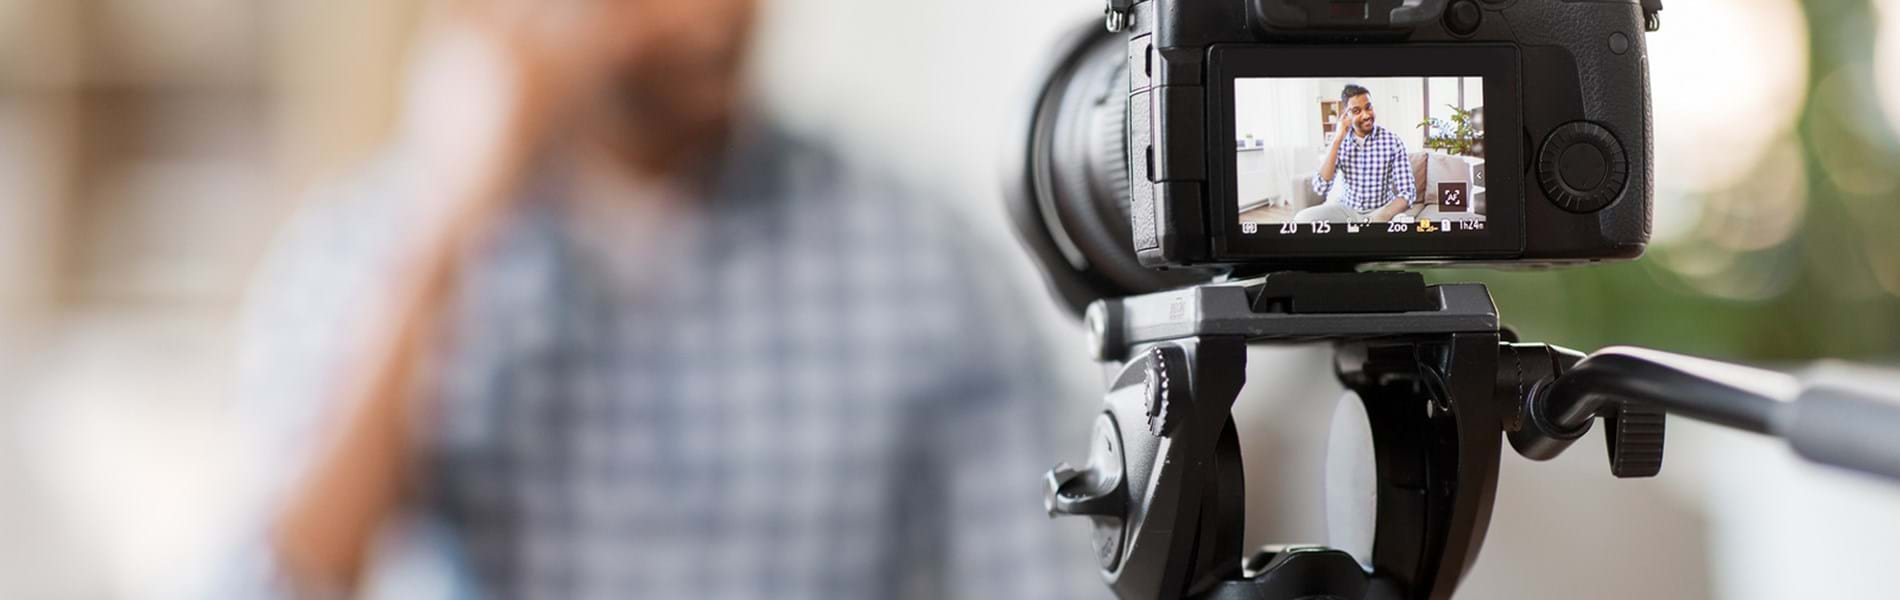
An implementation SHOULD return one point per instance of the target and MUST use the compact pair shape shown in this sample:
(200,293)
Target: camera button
(1582,167)
(1463,17)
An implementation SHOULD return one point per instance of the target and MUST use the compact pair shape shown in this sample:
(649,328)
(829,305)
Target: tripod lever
(1846,429)
(1850,429)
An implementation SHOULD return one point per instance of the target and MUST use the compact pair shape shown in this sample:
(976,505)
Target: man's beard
(662,129)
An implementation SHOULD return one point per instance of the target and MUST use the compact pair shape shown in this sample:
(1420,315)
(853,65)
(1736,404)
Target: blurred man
(1372,161)
(624,341)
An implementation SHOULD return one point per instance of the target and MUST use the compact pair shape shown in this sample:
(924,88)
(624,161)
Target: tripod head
(1443,385)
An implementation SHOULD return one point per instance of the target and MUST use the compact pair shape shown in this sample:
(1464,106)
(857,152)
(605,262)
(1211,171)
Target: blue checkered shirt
(1375,169)
(811,387)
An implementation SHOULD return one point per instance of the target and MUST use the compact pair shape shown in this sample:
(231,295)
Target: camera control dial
(1463,17)
(1582,167)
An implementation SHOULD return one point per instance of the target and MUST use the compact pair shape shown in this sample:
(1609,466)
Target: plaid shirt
(806,389)
(1375,169)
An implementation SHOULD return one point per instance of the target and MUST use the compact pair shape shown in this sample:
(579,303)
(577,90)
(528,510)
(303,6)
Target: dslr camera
(1191,139)
(1288,145)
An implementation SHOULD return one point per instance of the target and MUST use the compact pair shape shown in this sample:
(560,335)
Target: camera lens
(1069,176)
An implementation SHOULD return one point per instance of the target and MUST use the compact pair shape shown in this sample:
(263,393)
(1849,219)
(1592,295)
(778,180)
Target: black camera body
(1219,137)
(1566,151)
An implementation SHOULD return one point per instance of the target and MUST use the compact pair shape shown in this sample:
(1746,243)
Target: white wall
(1285,112)
(1282,116)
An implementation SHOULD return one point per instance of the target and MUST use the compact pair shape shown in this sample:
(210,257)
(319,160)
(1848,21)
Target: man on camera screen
(1372,160)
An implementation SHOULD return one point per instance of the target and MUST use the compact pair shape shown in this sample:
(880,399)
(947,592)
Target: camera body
(1551,166)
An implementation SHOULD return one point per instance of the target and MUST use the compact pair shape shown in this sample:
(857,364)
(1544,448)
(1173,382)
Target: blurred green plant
(1834,291)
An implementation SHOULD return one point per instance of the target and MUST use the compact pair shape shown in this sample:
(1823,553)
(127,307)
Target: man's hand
(1330,162)
(496,81)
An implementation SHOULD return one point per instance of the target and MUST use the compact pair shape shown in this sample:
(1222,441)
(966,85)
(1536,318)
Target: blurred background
(150,148)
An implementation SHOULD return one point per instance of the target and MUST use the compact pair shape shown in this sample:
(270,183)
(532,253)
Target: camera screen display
(1365,156)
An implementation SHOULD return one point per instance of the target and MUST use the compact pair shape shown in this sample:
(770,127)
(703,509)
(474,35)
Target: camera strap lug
(1120,15)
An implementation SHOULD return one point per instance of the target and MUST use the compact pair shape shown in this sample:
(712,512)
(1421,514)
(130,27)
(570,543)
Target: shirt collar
(1356,138)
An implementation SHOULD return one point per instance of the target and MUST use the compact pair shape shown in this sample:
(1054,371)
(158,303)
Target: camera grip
(1606,41)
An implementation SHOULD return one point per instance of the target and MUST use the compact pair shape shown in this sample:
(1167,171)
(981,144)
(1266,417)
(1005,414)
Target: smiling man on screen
(1371,161)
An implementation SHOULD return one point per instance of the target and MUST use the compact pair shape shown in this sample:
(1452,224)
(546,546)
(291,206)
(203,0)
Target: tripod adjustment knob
(1162,385)
(1634,436)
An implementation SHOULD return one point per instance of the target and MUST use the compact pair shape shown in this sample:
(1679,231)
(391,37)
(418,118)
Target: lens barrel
(1068,176)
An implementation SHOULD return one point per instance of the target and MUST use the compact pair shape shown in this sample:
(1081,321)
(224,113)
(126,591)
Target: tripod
(1443,385)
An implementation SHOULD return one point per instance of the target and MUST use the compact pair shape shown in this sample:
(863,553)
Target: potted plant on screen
(1458,135)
